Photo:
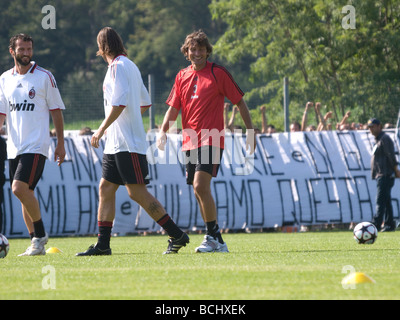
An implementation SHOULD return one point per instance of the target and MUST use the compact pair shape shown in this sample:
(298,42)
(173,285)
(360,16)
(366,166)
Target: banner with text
(300,178)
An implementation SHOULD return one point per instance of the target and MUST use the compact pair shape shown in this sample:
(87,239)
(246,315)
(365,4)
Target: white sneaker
(210,244)
(37,247)
(222,247)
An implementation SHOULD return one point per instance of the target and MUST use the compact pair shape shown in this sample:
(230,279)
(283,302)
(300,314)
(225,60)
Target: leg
(389,222)
(28,222)
(32,217)
(28,200)
(25,173)
(213,241)
(140,194)
(202,192)
(30,208)
(107,190)
(380,203)
(105,218)
(106,213)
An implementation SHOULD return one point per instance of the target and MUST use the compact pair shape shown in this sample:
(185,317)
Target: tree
(346,69)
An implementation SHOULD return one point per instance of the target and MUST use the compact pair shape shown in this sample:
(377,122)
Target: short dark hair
(19,36)
(110,43)
(197,37)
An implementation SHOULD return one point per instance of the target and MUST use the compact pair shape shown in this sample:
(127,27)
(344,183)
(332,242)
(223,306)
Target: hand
(397,173)
(96,138)
(251,141)
(328,115)
(162,141)
(59,154)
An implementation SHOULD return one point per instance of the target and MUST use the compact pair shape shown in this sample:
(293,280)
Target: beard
(22,61)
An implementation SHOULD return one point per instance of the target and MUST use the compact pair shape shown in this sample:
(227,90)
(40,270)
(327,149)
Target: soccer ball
(365,233)
(4,246)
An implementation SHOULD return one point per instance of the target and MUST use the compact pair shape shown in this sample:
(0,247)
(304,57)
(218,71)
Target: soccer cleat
(210,244)
(37,247)
(94,251)
(175,244)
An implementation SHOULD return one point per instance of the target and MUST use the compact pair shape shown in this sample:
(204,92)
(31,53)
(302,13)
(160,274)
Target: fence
(297,178)
(83,99)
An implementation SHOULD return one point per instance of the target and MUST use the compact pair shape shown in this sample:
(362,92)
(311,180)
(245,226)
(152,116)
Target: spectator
(388,126)
(311,127)
(343,125)
(271,129)
(308,107)
(264,126)
(295,127)
(324,125)
(226,115)
(355,126)
(53,132)
(383,169)
(231,123)
(86,131)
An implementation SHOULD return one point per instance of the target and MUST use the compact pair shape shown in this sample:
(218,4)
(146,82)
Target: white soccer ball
(365,233)
(4,246)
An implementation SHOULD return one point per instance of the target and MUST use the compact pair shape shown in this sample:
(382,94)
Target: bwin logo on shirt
(21,106)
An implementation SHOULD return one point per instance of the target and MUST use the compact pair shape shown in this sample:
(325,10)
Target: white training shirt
(123,87)
(26,100)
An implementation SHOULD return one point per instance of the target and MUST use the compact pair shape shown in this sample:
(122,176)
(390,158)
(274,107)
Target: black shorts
(125,168)
(27,168)
(206,158)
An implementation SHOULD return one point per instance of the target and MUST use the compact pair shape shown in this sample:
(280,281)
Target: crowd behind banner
(296,178)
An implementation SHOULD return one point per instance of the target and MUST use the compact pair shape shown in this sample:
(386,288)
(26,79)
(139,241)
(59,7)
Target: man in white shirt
(124,159)
(28,95)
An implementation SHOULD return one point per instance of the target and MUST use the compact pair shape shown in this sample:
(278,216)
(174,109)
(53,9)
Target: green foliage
(259,41)
(346,69)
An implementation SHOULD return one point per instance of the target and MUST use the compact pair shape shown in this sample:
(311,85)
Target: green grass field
(259,266)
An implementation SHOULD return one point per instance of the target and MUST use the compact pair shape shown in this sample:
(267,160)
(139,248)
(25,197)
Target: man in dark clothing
(383,169)
(3,157)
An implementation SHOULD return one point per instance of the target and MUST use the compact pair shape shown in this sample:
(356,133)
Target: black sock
(170,227)
(32,234)
(39,229)
(213,230)
(104,236)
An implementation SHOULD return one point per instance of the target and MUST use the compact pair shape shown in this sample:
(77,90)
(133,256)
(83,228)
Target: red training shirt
(200,96)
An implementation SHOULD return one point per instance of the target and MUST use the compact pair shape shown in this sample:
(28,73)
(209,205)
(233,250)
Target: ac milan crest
(32,93)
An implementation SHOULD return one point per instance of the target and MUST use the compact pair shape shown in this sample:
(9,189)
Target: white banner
(302,178)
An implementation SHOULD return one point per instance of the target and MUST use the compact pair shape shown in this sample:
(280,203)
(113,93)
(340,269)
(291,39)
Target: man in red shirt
(199,92)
